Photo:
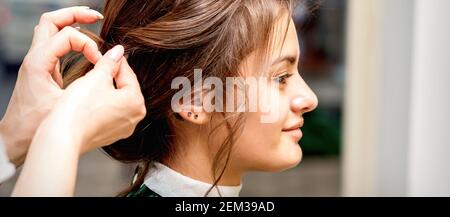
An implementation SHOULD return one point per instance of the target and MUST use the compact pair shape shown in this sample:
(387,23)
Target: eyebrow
(291,59)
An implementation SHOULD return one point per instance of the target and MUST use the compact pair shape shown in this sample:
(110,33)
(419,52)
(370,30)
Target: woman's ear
(194,117)
(194,112)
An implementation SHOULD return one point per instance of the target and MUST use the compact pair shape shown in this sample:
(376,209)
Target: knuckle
(79,9)
(106,63)
(141,109)
(45,17)
(102,69)
(67,29)
(101,74)
(142,112)
(129,132)
(27,65)
(138,106)
(91,44)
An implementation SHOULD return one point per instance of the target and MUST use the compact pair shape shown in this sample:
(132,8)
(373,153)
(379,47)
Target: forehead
(284,43)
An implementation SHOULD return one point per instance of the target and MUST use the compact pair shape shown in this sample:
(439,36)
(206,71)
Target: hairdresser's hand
(95,112)
(91,113)
(39,80)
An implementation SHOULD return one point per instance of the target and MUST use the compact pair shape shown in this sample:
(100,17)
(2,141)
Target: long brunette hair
(165,39)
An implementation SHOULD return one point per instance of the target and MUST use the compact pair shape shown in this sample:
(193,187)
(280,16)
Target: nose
(304,102)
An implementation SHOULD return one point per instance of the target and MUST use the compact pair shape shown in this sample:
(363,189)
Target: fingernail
(77,27)
(98,14)
(116,53)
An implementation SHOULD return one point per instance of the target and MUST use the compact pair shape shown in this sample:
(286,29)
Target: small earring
(196,116)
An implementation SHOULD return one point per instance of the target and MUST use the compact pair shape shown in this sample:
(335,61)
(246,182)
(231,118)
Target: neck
(195,160)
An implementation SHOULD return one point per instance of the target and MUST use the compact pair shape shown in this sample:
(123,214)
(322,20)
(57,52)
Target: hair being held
(165,39)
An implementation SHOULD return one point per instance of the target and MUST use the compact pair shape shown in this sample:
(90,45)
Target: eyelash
(282,78)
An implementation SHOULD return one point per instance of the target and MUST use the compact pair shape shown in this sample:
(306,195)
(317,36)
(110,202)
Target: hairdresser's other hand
(39,80)
(91,113)
(95,112)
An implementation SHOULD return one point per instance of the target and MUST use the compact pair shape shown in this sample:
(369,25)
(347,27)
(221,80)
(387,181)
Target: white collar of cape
(169,183)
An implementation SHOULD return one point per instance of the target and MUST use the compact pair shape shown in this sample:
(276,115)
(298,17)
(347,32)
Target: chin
(286,161)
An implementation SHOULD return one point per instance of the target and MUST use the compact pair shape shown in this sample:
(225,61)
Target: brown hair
(165,39)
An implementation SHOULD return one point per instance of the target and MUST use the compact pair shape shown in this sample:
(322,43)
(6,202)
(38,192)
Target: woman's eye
(282,79)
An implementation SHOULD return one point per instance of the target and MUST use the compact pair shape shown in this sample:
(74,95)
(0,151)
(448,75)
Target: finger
(126,78)
(109,64)
(51,22)
(70,39)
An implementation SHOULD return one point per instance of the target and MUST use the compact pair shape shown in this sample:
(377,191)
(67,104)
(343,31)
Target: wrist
(7,169)
(12,145)
(58,130)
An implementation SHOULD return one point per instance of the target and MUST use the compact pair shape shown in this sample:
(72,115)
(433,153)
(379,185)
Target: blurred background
(380,69)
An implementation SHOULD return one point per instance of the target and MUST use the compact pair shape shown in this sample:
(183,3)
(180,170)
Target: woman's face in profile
(269,141)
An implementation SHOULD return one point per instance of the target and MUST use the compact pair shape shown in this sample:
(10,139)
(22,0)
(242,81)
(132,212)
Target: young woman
(192,151)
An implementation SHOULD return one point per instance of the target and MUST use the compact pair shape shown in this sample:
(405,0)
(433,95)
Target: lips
(294,131)
(296,126)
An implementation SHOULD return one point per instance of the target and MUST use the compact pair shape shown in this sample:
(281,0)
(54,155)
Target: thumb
(126,78)
(110,62)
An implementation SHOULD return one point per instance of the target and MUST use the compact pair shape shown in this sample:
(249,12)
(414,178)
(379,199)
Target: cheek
(274,107)
(256,144)
(263,146)
(263,129)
